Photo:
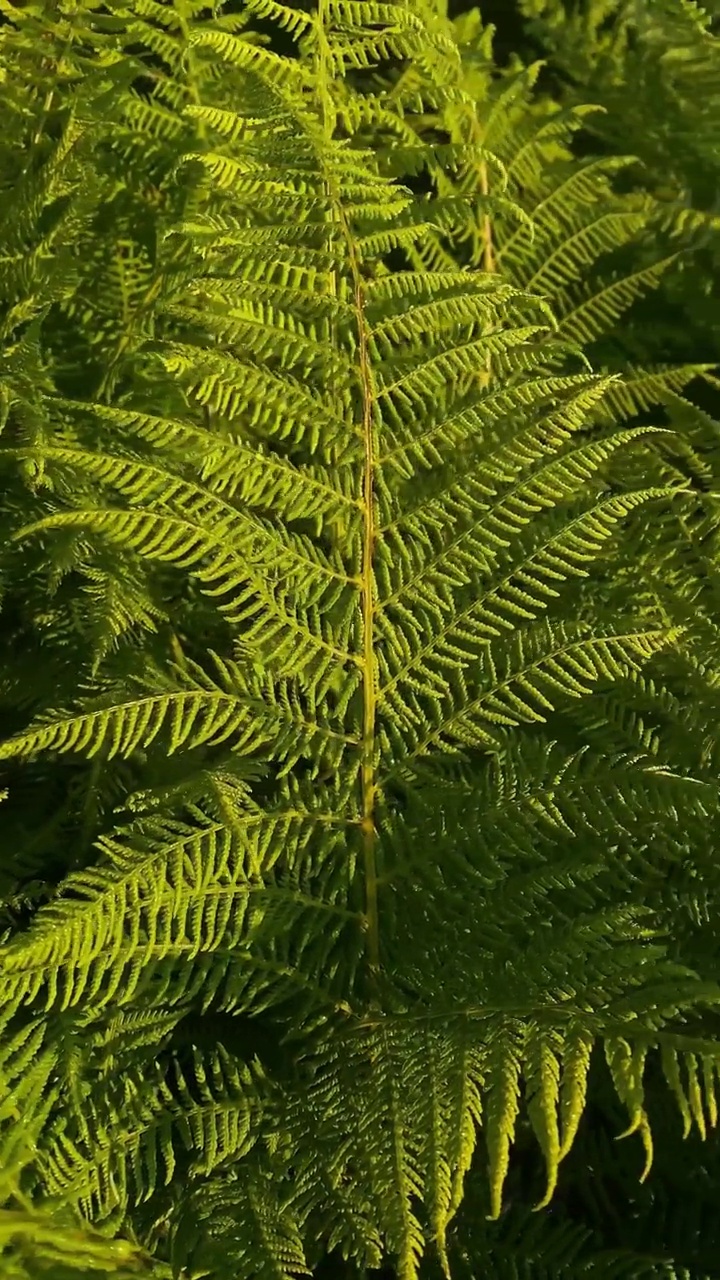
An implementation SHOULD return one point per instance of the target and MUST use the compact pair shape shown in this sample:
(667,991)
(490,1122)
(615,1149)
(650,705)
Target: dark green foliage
(360,655)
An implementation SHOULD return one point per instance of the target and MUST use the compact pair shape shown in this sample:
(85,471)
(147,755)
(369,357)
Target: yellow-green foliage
(353,595)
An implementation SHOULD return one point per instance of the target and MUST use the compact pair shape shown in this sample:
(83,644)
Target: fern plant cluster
(360,658)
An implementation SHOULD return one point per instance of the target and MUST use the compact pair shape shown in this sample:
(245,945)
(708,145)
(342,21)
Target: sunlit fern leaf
(558,221)
(38,1233)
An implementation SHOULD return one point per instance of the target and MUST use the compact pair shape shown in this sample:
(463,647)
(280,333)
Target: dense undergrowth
(359,658)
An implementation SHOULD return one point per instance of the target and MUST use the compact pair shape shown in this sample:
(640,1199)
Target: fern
(409,878)
(646,63)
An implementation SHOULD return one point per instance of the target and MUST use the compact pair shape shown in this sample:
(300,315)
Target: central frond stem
(368,609)
(368,785)
(488,255)
(368,604)
(488,251)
